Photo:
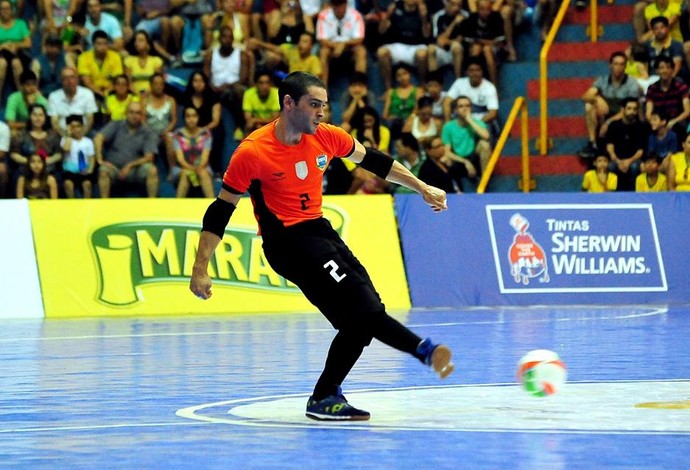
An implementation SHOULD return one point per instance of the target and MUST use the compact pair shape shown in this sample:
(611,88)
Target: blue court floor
(229,392)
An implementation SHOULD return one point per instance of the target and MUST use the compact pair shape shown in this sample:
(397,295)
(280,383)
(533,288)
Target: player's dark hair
(297,85)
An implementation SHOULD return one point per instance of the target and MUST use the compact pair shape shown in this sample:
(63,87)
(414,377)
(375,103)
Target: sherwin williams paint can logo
(527,257)
(132,254)
(576,248)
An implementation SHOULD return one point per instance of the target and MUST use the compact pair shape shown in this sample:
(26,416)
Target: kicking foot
(436,356)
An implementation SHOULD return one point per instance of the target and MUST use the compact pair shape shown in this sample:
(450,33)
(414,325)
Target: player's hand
(436,198)
(200,285)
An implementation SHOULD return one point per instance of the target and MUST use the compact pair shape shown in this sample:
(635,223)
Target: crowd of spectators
(93,103)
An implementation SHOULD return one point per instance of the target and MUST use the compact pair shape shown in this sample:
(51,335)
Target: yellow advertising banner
(122,257)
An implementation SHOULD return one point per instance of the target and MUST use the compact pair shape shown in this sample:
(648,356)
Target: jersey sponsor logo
(301,169)
(321,162)
(576,248)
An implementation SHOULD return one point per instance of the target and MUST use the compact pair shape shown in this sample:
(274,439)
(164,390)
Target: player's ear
(288,101)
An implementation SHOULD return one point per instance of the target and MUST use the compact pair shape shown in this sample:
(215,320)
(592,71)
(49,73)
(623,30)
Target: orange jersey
(285,180)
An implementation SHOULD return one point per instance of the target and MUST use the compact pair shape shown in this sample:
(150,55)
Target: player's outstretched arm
(215,220)
(384,166)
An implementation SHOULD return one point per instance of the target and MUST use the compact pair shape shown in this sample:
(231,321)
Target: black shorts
(78,178)
(314,257)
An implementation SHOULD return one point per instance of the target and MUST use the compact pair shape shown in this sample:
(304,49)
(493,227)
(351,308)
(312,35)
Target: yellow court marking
(666,405)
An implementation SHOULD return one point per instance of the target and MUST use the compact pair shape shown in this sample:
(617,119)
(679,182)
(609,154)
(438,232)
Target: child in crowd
(662,140)
(117,101)
(650,180)
(600,179)
(79,162)
(35,182)
(192,146)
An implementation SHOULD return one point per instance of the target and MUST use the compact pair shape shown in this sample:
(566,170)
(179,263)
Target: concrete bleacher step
(606,14)
(558,126)
(560,88)
(546,165)
(583,51)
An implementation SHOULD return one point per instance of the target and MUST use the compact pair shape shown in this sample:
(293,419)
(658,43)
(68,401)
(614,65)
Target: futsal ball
(541,372)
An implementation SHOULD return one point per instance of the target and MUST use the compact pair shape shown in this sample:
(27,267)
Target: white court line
(98,426)
(486,408)
(655,312)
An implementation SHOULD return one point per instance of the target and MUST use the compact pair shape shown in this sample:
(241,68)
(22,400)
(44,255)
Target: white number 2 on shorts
(334,271)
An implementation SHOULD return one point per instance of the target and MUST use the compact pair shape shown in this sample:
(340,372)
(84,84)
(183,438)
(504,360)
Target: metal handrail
(520,105)
(543,75)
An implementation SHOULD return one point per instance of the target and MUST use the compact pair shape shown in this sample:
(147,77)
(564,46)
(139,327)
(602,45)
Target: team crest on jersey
(321,161)
(301,169)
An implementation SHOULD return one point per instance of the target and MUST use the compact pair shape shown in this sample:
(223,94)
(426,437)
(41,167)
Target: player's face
(310,110)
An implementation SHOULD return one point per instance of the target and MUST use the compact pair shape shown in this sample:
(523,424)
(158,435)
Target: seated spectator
(48,65)
(198,17)
(637,66)
(662,140)
(227,69)
(287,23)
(668,96)
(192,146)
(466,140)
(356,97)
(156,18)
(447,50)
(98,20)
(662,44)
(603,100)
(161,117)
(79,163)
(651,180)
(399,102)
(340,32)
(481,92)
(72,98)
(234,16)
(408,153)
(115,106)
(260,103)
(35,182)
(626,142)
(600,179)
(15,42)
(200,96)
(407,27)
(367,126)
(58,17)
(512,12)
(545,14)
(125,151)
(421,124)
(484,36)
(37,138)
(141,66)
(678,168)
(301,58)
(669,9)
(99,66)
(343,176)
(17,108)
(441,107)
(436,173)
(4,151)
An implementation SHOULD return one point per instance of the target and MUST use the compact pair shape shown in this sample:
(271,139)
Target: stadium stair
(574,63)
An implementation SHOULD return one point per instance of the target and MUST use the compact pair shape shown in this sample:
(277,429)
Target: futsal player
(281,165)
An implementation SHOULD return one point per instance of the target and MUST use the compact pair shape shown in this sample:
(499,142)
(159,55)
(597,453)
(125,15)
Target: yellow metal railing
(520,106)
(593,31)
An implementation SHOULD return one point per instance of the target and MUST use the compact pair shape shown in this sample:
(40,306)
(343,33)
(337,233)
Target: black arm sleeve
(217,217)
(377,162)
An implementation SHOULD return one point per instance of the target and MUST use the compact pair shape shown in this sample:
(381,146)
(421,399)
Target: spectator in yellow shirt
(650,180)
(99,66)
(117,101)
(260,103)
(299,58)
(600,179)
